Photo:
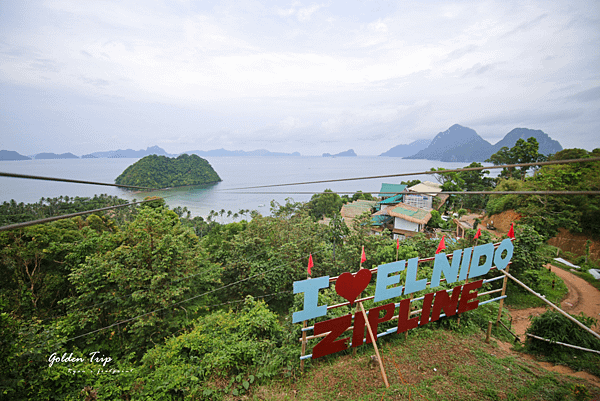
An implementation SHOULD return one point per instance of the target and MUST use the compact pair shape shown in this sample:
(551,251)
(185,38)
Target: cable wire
(37,177)
(185,300)
(147,287)
(66,216)
(429,193)
(591,159)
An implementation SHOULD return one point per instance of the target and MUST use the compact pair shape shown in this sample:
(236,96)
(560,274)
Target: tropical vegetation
(163,305)
(164,172)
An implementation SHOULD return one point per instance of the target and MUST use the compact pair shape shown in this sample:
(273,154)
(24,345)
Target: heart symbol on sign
(351,285)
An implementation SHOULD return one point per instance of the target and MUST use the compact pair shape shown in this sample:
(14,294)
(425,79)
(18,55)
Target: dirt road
(582,297)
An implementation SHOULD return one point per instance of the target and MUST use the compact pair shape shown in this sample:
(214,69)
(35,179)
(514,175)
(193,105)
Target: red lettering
(426,309)
(334,328)
(404,323)
(467,295)
(374,320)
(445,302)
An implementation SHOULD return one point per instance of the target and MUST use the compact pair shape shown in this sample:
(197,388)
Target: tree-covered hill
(162,172)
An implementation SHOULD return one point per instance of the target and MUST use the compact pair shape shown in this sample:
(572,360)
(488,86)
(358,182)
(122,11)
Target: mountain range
(407,150)
(223,152)
(456,144)
(462,144)
(347,153)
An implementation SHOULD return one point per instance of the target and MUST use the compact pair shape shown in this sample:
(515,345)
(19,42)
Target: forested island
(187,307)
(164,172)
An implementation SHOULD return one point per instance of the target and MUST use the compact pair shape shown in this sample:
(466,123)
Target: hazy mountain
(407,150)
(548,145)
(41,156)
(129,153)
(348,153)
(12,155)
(224,152)
(456,144)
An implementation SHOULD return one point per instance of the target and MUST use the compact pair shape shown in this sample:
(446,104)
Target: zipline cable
(145,288)
(37,177)
(457,170)
(67,216)
(185,300)
(436,193)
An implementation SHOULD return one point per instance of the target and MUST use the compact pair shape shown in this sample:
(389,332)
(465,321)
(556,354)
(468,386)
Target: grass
(520,298)
(433,364)
(582,274)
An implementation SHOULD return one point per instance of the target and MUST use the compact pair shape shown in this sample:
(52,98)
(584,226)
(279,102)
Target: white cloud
(324,66)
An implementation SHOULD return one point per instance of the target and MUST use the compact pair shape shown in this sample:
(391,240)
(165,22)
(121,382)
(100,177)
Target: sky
(308,76)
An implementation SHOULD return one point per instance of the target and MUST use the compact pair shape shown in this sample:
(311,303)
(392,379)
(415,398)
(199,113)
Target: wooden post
(468,268)
(304,342)
(374,341)
(356,313)
(489,332)
(303,346)
(503,293)
(359,296)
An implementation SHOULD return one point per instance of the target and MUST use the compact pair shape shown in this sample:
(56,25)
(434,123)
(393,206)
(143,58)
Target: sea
(232,193)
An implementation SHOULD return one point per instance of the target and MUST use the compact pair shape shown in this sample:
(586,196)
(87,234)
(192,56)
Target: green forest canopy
(162,172)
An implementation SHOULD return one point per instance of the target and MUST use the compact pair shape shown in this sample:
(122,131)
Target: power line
(429,193)
(66,216)
(146,287)
(591,159)
(37,177)
(183,301)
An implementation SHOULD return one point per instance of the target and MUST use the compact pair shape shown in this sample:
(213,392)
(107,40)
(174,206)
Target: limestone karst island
(164,172)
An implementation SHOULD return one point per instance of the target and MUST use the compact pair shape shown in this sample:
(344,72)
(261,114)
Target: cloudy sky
(309,76)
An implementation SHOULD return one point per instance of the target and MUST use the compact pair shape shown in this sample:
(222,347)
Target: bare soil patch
(582,297)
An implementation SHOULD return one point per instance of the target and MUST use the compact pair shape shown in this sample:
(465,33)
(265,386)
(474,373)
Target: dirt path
(582,297)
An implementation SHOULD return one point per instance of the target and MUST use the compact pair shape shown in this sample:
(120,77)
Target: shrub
(554,326)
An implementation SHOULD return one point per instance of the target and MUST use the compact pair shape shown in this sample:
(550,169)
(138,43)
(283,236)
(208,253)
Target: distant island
(127,153)
(12,155)
(164,172)
(42,156)
(224,152)
(348,153)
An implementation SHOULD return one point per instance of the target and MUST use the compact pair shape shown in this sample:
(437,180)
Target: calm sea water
(234,171)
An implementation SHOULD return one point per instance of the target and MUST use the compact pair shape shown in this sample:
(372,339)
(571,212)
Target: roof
(391,189)
(430,188)
(392,200)
(380,220)
(406,212)
(356,208)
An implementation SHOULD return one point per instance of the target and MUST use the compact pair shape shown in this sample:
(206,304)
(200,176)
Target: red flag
(398,243)
(441,246)
(310,263)
(363,257)
(478,233)
(511,231)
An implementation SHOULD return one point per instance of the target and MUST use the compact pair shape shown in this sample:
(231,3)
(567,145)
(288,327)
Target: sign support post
(374,341)
(303,346)
(504,282)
